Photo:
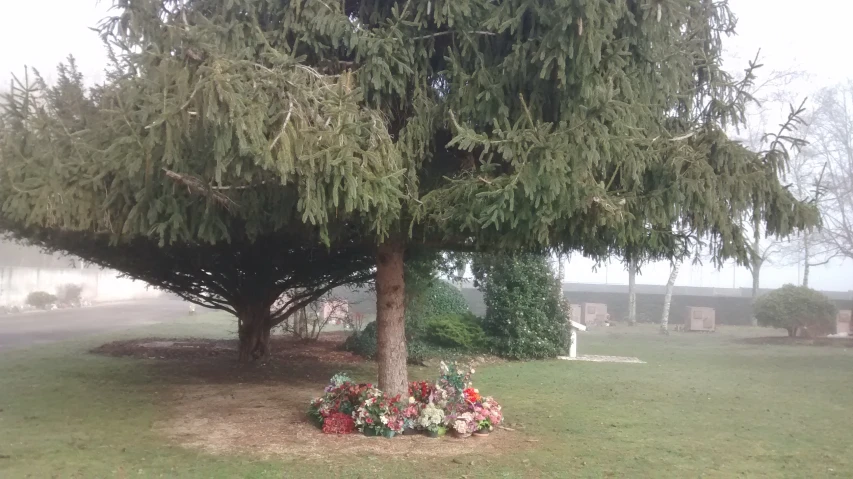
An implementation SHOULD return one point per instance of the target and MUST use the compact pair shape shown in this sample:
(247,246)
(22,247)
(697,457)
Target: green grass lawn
(704,405)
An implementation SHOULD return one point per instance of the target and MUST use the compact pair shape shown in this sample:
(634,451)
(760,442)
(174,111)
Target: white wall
(98,285)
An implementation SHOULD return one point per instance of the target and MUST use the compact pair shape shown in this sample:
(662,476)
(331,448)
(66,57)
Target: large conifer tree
(579,125)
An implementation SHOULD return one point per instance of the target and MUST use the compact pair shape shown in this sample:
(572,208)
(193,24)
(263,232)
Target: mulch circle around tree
(220,407)
(327,349)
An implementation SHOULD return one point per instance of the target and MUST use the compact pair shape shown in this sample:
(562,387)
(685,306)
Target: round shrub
(70,293)
(40,299)
(461,331)
(796,309)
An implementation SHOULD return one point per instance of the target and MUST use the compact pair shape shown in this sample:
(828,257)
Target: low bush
(438,298)
(364,342)
(796,309)
(461,331)
(69,293)
(41,299)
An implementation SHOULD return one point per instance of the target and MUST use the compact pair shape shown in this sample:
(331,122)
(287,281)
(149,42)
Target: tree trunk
(253,331)
(632,292)
(667,300)
(300,324)
(792,332)
(390,322)
(755,288)
(561,274)
(755,267)
(806,261)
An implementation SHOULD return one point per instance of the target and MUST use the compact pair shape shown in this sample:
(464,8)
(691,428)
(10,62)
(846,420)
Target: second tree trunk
(253,330)
(667,299)
(632,292)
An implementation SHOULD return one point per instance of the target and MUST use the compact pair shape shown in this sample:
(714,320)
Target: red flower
(338,423)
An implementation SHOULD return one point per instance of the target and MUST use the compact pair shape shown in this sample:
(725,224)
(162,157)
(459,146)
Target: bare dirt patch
(326,349)
(269,420)
(220,407)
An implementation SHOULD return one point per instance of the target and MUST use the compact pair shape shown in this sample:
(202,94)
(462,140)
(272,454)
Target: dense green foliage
(796,309)
(363,342)
(437,298)
(524,316)
(459,331)
(469,122)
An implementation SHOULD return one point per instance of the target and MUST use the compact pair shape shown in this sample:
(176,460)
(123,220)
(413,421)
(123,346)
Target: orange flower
(471,395)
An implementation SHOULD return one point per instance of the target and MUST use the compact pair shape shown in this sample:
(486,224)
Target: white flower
(411,400)
(461,426)
(384,420)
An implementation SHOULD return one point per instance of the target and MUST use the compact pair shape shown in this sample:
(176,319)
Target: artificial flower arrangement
(379,415)
(451,403)
(341,396)
(487,413)
(432,420)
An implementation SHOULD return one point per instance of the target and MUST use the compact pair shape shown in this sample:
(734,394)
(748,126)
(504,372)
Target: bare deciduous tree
(667,300)
(832,142)
(632,292)
(310,321)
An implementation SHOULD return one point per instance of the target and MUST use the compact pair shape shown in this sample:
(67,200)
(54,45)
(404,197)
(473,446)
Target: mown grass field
(704,405)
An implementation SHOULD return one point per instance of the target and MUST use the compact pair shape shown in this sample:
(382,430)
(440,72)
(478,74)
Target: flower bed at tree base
(451,403)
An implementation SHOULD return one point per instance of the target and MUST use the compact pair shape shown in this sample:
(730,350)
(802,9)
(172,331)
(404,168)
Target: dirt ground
(222,408)
(283,348)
